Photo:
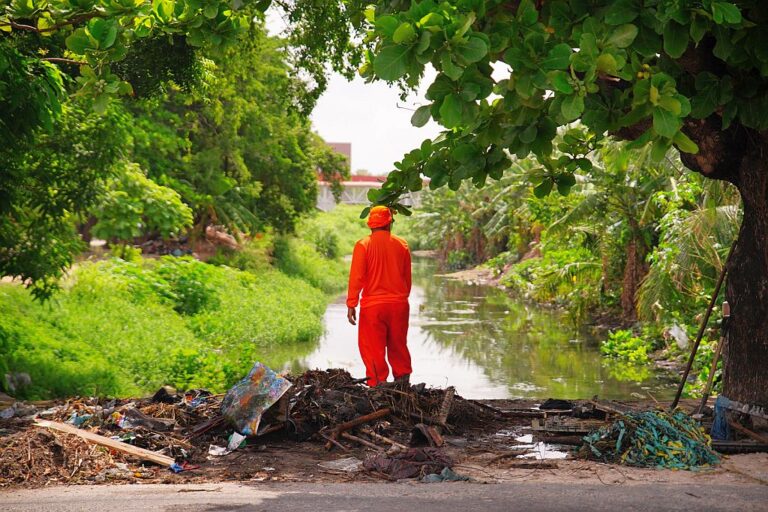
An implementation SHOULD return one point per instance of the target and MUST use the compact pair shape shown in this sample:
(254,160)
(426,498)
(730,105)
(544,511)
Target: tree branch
(62,60)
(73,21)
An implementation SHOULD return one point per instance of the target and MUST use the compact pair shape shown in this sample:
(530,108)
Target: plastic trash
(246,401)
(446,475)
(347,464)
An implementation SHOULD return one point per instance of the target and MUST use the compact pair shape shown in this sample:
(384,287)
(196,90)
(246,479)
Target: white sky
(367,115)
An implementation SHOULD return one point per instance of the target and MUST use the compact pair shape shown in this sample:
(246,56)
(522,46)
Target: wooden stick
(744,430)
(363,419)
(332,442)
(711,377)
(383,438)
(141,453)
(356,422)
(702,327)
(445,407)
(359,440)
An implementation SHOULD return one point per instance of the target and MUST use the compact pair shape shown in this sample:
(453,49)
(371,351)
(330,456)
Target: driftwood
(140,453)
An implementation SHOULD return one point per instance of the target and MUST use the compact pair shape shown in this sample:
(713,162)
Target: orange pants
(383,332)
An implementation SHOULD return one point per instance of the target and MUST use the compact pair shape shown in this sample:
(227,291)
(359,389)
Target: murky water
(489,345)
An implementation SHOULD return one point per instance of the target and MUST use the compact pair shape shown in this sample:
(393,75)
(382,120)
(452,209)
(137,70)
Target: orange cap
(379,217)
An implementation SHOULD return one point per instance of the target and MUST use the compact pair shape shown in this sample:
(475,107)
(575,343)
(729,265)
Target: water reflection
(490,345)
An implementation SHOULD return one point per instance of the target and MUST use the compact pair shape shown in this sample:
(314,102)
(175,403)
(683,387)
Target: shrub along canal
(490,345)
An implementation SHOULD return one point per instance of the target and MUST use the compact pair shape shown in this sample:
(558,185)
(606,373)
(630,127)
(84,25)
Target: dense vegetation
(636,246)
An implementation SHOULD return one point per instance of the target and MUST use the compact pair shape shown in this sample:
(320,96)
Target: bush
(299,258)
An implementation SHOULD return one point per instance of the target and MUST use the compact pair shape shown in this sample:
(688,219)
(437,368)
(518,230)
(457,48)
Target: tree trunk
(634,272)
(746,355)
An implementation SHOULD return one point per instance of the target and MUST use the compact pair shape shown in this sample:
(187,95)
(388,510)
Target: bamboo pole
(702,327)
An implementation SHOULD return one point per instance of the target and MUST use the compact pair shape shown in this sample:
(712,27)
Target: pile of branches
(320,400)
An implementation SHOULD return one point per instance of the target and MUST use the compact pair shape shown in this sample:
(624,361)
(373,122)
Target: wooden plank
(140,453)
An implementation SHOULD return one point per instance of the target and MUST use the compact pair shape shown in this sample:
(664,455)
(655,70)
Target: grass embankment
(122,328)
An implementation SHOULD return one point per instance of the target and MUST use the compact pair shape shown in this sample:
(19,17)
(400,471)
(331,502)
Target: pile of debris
(95,440)
(319,422)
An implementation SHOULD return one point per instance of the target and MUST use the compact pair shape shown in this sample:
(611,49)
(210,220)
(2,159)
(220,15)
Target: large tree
(692,74)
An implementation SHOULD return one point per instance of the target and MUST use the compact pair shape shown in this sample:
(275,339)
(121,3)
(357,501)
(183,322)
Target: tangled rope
(652,439)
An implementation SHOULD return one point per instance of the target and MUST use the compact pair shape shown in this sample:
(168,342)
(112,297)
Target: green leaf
(451,111)
(105,32)
(529,134)
(671,104)
(527,13)
(659,149)
(557,58)
(684,143)
(453,71)
(560,82)
(387,25)
(665,123)
(623,36)
(473,50)
(210,11)
(725,12)
(424,40)
(675,39)
(621,11)
(572,107)
(543,189)
(392,62)
(405,33)
(373,195)
(365,212)
(78,41)
(606,63)
(432,20)
(421,116)
(699,26)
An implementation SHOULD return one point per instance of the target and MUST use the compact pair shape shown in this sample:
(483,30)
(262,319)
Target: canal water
(490,345)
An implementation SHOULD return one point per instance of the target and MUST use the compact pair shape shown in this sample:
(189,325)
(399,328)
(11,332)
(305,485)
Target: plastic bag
(247,400)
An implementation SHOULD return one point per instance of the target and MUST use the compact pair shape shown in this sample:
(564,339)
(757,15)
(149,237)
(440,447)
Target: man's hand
(352,316)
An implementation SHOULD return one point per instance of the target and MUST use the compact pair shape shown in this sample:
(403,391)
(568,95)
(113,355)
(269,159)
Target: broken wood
(332,442)
(140,453)
(600,406)
(385,439)
(356,422)
(568,440)
(445,407)
(744,430)
(359,440)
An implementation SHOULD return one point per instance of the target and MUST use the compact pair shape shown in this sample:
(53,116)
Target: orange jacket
(381,269)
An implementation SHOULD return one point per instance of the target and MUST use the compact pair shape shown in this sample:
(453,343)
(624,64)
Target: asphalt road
(405,497)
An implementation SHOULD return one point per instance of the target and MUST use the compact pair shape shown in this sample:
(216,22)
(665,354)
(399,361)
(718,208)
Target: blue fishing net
(652,439)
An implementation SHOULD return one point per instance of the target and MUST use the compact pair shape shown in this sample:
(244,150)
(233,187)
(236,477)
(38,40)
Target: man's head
(380,218)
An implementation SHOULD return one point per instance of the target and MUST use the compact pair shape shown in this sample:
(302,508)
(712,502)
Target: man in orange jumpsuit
(381,269)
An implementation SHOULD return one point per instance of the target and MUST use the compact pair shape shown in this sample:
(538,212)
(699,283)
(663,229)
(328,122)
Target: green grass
(124,329)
